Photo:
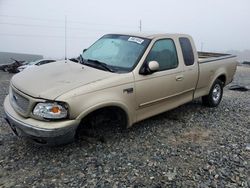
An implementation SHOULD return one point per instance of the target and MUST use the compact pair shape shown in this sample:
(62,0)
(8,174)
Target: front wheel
(215,95)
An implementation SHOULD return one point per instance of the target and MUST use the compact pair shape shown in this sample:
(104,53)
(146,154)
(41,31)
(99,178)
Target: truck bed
(205,57)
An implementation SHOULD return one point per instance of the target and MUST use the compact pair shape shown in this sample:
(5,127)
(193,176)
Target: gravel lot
(191,146)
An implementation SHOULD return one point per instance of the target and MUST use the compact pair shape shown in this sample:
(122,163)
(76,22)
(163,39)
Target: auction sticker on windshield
(135,39)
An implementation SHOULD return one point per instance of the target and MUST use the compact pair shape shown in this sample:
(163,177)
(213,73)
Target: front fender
(83,104)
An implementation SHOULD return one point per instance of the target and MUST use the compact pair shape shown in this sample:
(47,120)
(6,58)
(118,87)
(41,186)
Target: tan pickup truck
(123,77)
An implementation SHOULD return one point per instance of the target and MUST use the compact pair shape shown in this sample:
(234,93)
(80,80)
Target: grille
(20,102)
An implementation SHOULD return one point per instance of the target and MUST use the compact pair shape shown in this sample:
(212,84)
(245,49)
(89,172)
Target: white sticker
(135,39)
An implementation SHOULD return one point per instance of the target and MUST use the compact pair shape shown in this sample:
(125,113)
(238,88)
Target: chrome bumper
(47,133)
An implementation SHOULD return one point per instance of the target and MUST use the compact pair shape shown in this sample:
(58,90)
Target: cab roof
(152,35)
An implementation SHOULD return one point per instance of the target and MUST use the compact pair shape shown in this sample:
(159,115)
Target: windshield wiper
(95,62)
(100,64)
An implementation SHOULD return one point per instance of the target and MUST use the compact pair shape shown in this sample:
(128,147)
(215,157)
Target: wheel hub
(216,93)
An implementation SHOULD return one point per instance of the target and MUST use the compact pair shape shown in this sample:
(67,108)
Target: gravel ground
(191,146)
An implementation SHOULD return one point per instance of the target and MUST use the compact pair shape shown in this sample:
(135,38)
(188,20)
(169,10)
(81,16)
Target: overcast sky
(38,26)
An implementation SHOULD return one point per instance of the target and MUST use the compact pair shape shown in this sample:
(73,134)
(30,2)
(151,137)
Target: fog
(38,27)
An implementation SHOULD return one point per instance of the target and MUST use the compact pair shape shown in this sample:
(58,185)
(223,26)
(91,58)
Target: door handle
(179,78)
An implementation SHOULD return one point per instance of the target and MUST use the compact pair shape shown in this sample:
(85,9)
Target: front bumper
(41,132)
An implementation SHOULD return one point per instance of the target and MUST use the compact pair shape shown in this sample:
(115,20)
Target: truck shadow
(167,128)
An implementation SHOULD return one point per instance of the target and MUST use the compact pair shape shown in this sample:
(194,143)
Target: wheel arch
(222,78)
(114,105)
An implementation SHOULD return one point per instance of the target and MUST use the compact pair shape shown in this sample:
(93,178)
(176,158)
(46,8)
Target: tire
(215,95)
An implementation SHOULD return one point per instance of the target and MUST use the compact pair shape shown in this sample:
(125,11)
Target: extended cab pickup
(124,77)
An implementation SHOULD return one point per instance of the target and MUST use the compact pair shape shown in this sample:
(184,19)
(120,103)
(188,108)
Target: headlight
(51,110)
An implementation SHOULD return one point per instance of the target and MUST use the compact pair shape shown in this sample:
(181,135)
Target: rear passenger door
(161,90)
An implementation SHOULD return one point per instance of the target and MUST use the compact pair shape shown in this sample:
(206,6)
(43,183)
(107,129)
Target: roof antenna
(140,26)
(65,39)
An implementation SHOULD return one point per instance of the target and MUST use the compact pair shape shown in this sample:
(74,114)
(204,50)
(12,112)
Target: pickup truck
(123,77)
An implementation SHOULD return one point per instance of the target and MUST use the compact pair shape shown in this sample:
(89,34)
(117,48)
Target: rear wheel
(215,95)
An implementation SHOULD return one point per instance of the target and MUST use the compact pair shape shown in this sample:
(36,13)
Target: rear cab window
(187,51)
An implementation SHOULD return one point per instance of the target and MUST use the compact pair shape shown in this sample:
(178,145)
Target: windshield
(119,52)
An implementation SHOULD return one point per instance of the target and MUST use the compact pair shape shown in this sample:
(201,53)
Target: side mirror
(153,66)
(149,68)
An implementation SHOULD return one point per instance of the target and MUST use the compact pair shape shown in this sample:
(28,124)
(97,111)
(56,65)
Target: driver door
(160,91)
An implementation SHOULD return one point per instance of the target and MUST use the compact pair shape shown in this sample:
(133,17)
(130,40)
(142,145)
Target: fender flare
(218,74)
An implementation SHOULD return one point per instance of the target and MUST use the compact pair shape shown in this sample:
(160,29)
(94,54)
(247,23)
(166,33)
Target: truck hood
(54,79)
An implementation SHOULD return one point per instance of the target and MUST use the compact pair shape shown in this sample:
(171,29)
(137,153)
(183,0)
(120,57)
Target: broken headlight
(51,110)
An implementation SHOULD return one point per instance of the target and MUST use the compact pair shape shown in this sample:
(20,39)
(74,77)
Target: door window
(164,52)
